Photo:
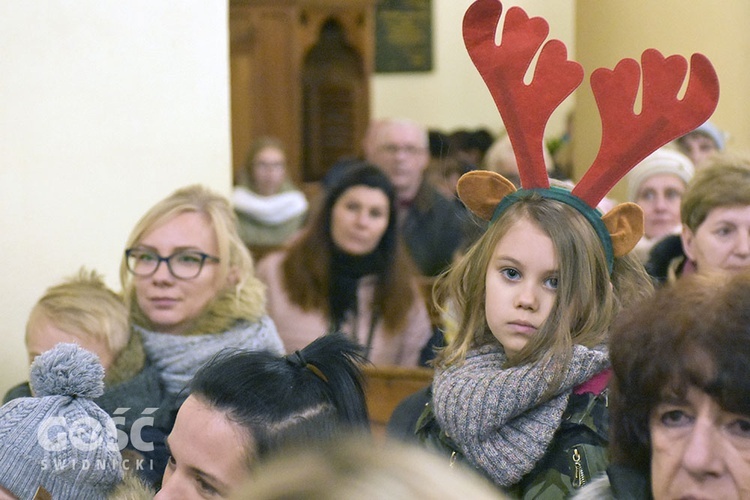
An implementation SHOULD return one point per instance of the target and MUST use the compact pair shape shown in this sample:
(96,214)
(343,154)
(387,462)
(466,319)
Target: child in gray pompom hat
(60,440)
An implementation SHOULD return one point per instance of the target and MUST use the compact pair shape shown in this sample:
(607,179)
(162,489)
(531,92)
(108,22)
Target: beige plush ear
(482,190)
(625,226)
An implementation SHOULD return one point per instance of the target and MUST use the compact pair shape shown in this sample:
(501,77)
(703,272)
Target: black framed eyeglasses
(184,265)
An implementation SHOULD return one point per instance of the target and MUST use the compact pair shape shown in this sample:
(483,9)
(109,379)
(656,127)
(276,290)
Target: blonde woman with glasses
(190,288)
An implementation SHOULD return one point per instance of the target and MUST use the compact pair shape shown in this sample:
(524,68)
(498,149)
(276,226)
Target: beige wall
(105,107)
(453,94)
(609,30)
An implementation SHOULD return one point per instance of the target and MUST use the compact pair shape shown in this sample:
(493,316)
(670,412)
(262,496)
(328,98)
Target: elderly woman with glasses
(188,282)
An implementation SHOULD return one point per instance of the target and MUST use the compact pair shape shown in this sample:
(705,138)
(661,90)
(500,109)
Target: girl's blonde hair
(83,305)
(244,295)
(587,297)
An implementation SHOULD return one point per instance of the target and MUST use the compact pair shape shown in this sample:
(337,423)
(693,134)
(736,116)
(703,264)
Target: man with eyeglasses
(431,225)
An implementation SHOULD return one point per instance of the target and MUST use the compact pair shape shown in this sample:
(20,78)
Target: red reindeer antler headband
(627,137)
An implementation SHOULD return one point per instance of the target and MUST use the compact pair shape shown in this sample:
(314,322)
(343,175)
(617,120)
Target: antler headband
(627,137)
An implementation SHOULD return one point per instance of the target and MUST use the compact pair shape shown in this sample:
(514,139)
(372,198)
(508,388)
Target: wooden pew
(260,251)
(386,387)
(425,287)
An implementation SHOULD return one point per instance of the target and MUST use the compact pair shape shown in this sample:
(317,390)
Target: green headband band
(555,193)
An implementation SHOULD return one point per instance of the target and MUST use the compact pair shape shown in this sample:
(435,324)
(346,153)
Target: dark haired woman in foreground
(244,405)
(680,398)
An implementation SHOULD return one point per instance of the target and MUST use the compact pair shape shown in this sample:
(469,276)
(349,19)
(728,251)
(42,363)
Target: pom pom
(67,370)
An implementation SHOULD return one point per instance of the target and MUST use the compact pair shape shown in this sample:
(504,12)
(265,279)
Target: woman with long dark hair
(348,272)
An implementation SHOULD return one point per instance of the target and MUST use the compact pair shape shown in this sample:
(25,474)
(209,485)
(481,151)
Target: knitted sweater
(268,220)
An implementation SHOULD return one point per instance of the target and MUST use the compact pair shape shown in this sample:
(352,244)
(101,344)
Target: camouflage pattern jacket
(619,483)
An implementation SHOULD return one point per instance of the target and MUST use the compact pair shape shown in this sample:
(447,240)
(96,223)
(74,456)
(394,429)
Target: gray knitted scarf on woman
(178,357)
(499,417)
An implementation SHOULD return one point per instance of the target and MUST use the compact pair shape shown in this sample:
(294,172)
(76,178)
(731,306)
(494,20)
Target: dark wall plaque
(403,36)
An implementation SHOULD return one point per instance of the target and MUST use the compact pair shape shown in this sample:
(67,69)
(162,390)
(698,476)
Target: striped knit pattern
(498,416)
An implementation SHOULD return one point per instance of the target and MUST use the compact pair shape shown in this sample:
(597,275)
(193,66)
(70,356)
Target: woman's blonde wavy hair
(244,295)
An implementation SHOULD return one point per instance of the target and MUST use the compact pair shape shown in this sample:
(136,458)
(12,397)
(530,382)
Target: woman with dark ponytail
(244,405)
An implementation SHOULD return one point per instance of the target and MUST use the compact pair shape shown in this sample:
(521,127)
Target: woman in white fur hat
(657,184)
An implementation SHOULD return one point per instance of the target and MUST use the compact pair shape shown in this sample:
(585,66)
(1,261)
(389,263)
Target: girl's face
(722,241)
(659,196)
(207,454)
(173,304)
(269,171)
(359,219)
(521,284)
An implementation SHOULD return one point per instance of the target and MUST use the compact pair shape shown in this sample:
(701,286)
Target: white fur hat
(661,161)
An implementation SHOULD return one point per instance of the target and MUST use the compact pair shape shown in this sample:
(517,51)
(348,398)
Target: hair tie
(298,360)
(317,372)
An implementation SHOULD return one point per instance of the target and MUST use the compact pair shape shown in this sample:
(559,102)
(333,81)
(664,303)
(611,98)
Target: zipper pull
(579,478)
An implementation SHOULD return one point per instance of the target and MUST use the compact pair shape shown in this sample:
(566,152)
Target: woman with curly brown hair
(680,397)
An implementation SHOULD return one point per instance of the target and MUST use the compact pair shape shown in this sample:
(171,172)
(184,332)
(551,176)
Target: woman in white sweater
(269,208)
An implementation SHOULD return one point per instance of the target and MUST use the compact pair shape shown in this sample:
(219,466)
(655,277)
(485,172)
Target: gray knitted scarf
(498,416)
(178,357)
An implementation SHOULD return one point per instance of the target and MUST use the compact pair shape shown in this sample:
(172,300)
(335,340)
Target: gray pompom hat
(60,439)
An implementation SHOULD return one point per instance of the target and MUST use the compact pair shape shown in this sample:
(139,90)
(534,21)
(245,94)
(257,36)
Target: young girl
(520,391)
(535,298)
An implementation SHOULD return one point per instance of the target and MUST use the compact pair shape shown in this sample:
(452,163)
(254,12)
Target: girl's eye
(510,273)
(551,282)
